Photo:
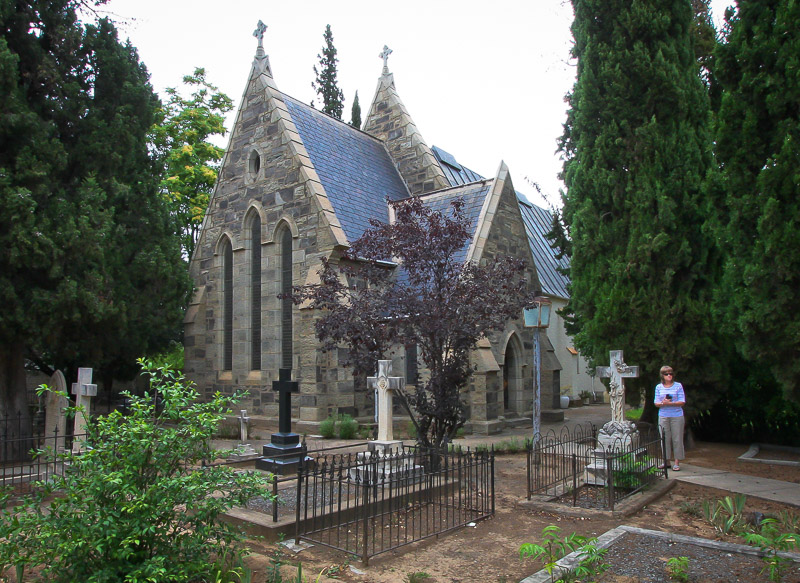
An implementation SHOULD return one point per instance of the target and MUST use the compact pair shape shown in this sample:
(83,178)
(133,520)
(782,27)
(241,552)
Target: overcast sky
(483,80)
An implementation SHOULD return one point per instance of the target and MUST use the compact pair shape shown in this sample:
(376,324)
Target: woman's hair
(665,369)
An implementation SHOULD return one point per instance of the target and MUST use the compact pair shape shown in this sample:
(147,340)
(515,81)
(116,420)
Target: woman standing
(670,400)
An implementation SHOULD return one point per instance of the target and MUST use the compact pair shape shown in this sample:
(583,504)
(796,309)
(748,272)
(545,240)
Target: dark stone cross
(284,452)
(285,386)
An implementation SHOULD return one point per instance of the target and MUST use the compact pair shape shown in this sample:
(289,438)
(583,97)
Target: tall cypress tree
(757,209)
(90,272)
(636,148)
(355,113)
(325,84)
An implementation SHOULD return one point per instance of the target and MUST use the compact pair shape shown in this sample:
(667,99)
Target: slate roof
(538,222)
(456,173)
(473,196)
(355,169)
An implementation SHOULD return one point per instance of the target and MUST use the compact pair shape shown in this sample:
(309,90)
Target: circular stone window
(254,163)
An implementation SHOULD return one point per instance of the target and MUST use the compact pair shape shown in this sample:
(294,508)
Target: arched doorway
(512,376)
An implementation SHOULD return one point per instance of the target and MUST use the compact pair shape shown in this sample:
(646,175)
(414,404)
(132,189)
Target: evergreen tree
(191,162)
(355,113)
(757,207)
(636,148)
(90,272)
(325,84)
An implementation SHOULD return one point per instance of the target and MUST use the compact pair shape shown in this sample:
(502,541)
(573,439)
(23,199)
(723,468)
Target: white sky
(483,80)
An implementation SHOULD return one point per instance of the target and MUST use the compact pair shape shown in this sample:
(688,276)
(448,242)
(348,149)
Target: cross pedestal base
(383,447)
(282,456)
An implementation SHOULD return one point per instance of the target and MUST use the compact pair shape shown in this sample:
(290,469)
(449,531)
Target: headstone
(284,452)
(617,372)
(244,449)
(385,385)
(83,390)
(385,461)
(617,434)
(243,421)
(55,420)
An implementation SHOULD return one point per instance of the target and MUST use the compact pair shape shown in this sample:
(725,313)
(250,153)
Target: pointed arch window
(255,292)
(286,302)
(227,304)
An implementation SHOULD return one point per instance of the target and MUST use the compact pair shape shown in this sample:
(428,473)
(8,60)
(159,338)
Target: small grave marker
(83,390)
(55,420)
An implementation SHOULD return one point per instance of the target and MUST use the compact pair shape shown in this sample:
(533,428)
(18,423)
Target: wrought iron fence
(573,467)
(367,504)
(27,458)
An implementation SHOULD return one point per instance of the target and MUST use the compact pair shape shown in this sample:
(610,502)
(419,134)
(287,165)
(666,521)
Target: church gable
(389,121)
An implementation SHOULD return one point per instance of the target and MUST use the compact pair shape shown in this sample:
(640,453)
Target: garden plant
(138,504)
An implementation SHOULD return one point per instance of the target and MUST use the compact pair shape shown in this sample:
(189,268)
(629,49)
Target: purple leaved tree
(407,283)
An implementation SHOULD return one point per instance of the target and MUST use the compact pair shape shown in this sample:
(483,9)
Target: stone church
(297,185)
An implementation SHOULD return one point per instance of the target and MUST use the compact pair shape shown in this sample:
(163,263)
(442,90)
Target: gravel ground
(641,558)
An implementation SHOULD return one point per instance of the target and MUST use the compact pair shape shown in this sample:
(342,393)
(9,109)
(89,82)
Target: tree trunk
(15,419)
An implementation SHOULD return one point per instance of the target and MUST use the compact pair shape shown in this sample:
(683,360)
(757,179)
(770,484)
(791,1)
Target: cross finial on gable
(259,34)
(385,56)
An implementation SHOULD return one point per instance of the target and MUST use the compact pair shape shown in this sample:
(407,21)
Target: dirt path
(489,551)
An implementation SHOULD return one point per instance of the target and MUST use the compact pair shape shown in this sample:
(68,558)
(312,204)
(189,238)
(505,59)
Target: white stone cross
(385,56)
(83,390)
(385,385)
(617,372)
(243,420)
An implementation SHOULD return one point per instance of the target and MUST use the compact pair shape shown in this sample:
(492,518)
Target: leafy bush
(771,540)
(327,428)
(678,568)
(631,471)
(590,558)
(348,427)
(136,506)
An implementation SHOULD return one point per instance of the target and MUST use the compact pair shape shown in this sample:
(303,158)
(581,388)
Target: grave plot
(574,467)
(369,504)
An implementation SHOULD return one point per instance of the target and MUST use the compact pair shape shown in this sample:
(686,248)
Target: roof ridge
(314,109)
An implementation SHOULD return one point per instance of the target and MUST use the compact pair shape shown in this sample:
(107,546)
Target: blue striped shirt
(676,390)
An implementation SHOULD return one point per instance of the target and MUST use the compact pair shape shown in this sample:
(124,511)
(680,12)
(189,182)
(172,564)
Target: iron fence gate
(366,504)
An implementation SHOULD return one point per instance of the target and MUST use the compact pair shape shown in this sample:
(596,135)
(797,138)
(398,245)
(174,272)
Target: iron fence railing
(28,459)
(573,467)
(366,504)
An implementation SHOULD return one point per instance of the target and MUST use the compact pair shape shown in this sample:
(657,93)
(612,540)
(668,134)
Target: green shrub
(327,428)
(771,540)
(348,427)
(136,505)
(631,471)
(590,558)
(678,568)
